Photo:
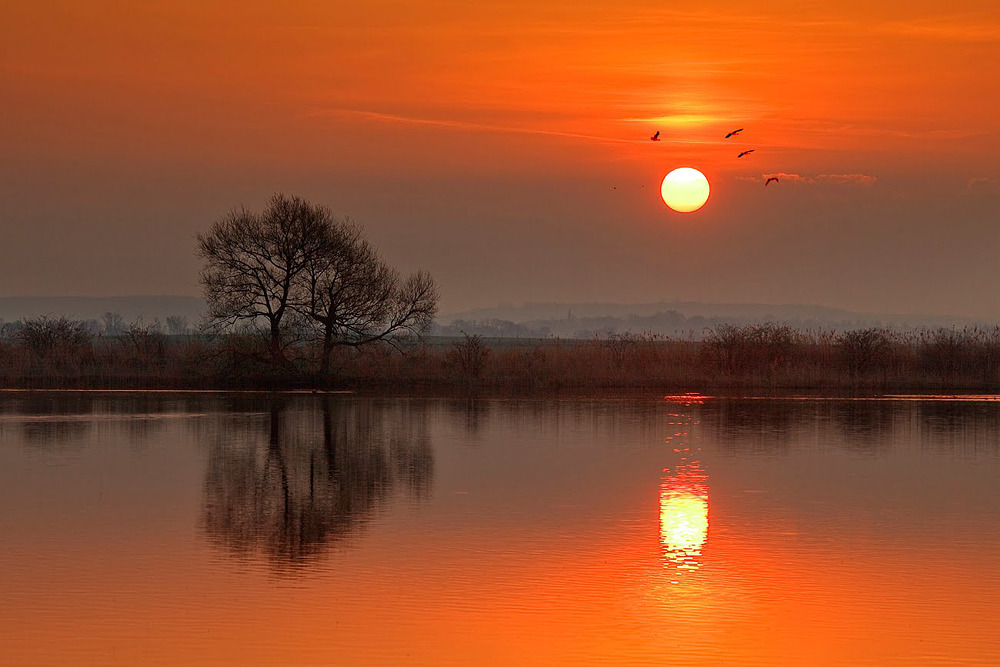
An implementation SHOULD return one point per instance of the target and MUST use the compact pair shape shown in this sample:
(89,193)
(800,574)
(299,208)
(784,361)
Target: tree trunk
(274,450)
(324,366)
(275,347)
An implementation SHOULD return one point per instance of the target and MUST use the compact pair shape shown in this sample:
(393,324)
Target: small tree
(354,298)
(44,336)
(622,346)
(113,323)
(865,351)
(253,262)
(145,343)
(469,357)
(740,350)
(296,267)
(177,325)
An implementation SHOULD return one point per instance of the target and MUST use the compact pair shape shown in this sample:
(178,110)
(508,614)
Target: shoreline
(582,393)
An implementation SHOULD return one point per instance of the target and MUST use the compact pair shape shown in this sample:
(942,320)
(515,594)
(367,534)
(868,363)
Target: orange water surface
(214,529)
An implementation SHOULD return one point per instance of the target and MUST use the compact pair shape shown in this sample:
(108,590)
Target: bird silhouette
(768,181)
(734,133)
(746,152)
(655,137)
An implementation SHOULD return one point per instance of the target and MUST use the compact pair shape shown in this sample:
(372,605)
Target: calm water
(149,528)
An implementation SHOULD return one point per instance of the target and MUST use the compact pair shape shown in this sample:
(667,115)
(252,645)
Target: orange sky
(509,140)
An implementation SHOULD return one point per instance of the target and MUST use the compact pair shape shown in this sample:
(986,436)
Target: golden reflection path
(683,494)
(684,514)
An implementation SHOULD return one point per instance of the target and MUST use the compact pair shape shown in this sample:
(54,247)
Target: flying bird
(655,137)
(768,181)
(746,152)
(734,133)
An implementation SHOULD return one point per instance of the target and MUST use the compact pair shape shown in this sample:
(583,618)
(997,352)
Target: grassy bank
(731,358)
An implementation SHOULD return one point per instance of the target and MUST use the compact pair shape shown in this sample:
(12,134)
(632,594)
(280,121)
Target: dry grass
(756,357)
(741,358)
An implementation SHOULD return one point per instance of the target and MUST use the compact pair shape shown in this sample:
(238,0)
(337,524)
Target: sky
(504,145)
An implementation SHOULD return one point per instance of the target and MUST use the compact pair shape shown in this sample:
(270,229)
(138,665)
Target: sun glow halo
(684,190)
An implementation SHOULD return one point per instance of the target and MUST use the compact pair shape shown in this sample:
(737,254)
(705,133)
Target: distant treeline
(62,353)
(110,324)
(666,323)
(670,323)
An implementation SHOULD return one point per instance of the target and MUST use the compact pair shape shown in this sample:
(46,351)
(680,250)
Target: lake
(159,528)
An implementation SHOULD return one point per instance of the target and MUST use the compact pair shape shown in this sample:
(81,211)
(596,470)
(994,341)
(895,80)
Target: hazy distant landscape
(678,319)
(84,308)
(688,320)
(730,352)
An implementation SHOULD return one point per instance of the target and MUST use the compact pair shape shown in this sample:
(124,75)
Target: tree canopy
(298,273)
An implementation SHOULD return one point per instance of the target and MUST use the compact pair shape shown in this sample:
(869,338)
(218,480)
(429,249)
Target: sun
(685,190)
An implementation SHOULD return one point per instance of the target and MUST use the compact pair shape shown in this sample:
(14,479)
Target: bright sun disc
(685,189)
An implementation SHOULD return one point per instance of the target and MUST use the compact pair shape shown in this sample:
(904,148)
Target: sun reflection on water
(683,515)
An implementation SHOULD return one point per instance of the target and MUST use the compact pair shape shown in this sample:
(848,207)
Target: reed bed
(744,358)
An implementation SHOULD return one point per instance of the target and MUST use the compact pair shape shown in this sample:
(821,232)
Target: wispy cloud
(864,180)
(383,117)
(846,179)
(678,120)
(461,125)
(959,27)
(948,28)
(984,185)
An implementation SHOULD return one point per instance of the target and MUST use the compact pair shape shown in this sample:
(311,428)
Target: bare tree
(45,335)
(354,298)
(146,340)
(469,357)
(114,323)
(253,261)
(177,325)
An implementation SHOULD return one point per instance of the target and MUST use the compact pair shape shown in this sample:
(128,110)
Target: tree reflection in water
(288,487)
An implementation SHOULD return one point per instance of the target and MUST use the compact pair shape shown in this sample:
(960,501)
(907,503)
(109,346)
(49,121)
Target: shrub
(469,357)
(750,349)
(865,351)
(43,336)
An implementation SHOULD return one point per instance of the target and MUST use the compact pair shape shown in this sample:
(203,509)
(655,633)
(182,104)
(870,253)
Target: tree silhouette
(298,269)
(253,261)
(354,298)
